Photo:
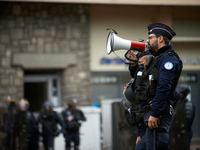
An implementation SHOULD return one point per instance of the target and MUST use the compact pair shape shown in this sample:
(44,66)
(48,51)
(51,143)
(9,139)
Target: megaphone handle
(123,60)
(135,52)
(127,54)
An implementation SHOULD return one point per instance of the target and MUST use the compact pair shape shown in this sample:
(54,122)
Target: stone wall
(45,28)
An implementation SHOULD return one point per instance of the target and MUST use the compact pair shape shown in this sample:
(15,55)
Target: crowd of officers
(21,130)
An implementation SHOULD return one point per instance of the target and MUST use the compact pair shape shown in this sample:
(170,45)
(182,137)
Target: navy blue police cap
(162,29)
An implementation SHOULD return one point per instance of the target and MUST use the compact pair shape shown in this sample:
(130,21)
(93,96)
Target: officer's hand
(131,56)
(124,90)
(56,133)
(152,122)
(138,139)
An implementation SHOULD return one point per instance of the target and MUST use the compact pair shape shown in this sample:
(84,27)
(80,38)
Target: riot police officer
(49,120)
(72,118)
(8,111)
(181,130)
(162,79)
(3,112)
(131,103)
(26,128)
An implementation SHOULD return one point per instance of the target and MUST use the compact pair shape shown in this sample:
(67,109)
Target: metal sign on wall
(188,78)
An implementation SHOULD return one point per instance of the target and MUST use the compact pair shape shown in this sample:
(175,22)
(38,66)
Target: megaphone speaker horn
(116,43)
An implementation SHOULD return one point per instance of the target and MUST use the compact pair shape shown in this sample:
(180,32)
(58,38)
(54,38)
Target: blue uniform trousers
(162,133)
(72,137)
(48,141)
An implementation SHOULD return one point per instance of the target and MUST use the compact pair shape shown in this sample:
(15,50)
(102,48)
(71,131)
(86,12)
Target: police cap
(162,29)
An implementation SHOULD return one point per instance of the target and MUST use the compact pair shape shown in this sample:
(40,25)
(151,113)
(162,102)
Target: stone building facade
(42,38)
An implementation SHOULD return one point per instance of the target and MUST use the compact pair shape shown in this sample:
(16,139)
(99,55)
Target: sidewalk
(59,143)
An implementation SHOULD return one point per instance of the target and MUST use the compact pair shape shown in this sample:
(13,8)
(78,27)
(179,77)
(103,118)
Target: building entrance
(39,88)
(36,93)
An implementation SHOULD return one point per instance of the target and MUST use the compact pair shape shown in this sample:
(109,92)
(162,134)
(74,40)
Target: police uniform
(181,130)
(72,119)
(167,65)
(8,119)
(49,120)
(26,128)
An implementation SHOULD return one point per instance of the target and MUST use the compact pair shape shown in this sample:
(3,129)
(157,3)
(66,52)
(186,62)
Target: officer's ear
(149,61)
(160,39)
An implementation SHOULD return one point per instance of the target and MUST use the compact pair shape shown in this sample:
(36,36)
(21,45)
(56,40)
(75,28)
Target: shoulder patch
(168,65)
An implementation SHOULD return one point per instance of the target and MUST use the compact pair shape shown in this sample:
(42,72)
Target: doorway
(39,88)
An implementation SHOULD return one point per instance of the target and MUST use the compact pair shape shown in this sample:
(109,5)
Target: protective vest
(49,123)
(143,88)
(73,119)
(146,80)
(138,88)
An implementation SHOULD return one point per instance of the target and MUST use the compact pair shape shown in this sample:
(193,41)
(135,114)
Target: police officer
(165,73)
(3,111)
(7,124)
(181,130)
(26,128)
(72,118)
(49,120)
(131,104)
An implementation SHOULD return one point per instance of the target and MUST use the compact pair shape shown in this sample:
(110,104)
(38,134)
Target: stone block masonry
(45,28)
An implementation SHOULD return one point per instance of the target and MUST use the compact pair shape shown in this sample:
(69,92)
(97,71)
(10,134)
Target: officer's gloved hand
(56,133)
(63,131)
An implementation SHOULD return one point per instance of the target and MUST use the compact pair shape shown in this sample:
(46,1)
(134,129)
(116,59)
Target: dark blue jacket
(166,66)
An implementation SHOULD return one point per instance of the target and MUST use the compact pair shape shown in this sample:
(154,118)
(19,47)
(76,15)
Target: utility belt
(135,114)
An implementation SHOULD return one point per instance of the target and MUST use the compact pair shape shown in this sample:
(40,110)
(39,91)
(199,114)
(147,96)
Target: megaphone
(116,43)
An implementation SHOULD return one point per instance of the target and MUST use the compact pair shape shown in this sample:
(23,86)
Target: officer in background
(165,72)
(49,120)
(181,130)
(26,128)
(73,118)
(3,110)
(8,111)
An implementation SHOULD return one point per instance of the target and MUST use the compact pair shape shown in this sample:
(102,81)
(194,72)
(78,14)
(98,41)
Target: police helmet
(10,101)
(129,94)
(48,105)
(183,88)
(72,101)
(23,104)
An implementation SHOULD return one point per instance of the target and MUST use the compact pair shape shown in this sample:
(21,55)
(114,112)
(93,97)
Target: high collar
(164,49)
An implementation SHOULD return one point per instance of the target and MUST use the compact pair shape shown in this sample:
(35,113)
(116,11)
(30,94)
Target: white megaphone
(116,43)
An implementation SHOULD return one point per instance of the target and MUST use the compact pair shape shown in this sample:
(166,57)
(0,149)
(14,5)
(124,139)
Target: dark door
(36,93)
